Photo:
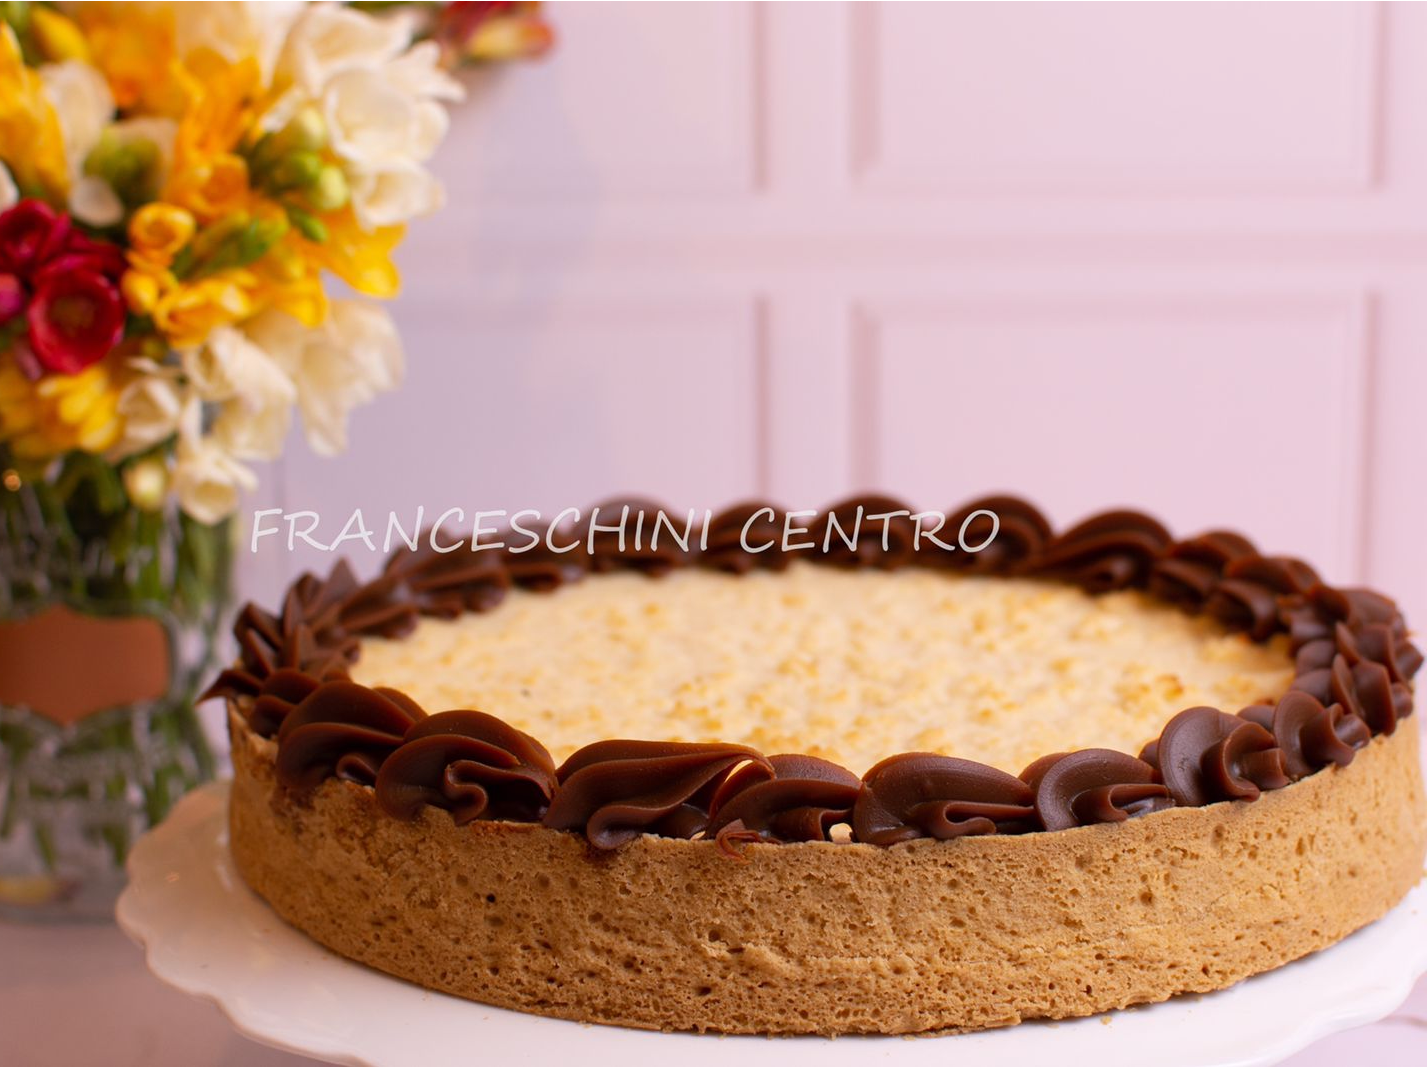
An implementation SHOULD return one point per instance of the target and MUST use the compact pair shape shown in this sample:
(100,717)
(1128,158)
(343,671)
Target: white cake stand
(205,933)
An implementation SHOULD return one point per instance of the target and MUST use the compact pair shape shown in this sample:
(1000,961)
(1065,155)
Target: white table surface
(80,994)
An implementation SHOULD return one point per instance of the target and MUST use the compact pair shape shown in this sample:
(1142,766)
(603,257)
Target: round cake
(885,784)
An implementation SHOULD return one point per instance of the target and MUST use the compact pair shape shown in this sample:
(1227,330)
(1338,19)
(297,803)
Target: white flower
(235,30)
(206,477)
(371,121)
(253,430)
(84,105)
(386,197)
(388,115)
(9,192)
(255,392)
(417,72)
(327,40)
(281,337)
(365,333)
(228,365)
(150,407)
(94,201)
(375,121)
(379,101)
(207,480)
(346,362)
(432,124)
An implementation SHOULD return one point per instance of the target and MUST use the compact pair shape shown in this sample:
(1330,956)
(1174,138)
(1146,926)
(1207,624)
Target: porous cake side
(836,938)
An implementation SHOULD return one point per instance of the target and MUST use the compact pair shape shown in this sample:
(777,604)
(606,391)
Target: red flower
(66,283)
(82,254)
(30,234)
(75,319)
(12,297)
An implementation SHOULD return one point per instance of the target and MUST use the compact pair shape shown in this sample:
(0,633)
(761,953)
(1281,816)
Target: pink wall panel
(1106,98)
(645,99)
(1188,407)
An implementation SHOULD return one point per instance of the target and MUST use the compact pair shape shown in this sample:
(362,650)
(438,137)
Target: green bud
(271,230)
(306,224)
(147,483)
(329,192)
(257,238)
(298,171)
(305,132)
(145,153)
(101,158)
(183,261)
(259,154)
(130,167)
(213,237)
(214,248)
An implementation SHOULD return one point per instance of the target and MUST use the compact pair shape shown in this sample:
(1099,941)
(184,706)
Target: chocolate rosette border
(1353,656)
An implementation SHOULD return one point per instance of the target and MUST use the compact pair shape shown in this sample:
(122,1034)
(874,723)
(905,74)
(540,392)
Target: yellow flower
(212,186)
(291,282)
(188,313)
(360,258)
(57,37)
(158,231)
(132,44)
(207,177)
(31,142)
(58,413)
(303,299)
(143,285)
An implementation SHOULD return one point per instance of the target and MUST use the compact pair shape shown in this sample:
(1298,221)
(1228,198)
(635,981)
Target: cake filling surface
(852,666)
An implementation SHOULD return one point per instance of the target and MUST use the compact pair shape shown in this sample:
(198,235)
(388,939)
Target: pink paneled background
(1170,255)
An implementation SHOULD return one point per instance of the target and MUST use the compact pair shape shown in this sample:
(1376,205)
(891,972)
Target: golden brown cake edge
(836,938)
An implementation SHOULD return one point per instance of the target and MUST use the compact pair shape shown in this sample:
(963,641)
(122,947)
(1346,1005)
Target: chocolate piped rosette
(882,784)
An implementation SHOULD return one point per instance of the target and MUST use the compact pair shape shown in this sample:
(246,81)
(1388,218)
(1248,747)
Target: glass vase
(108,616)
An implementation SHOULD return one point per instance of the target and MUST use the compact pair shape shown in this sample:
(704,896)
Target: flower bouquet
(179,186)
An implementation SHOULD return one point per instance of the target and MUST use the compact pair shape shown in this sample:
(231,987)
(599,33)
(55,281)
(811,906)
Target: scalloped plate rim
(195,833)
